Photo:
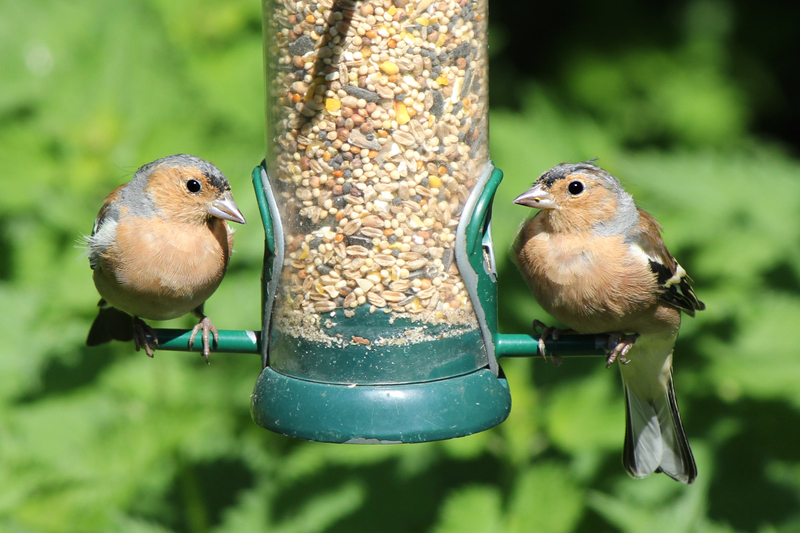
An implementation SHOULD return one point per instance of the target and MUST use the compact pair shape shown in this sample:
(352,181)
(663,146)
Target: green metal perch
(508,344)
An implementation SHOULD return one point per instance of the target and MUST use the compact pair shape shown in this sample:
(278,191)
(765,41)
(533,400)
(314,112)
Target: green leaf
(589,413)
(545,498)
(323,510)
(473,509)
(659,504)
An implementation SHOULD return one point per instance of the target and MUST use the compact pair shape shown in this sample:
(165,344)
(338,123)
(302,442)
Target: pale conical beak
(225,208)
(536,197)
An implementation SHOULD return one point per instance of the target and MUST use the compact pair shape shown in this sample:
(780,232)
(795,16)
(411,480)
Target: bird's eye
(575,188)
(193,186)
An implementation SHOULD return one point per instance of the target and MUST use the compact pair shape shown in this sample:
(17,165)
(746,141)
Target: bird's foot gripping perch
(551,332)
(144,336)
(619,344)
(206,326)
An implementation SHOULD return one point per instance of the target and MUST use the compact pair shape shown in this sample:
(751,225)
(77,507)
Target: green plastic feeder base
(380,414)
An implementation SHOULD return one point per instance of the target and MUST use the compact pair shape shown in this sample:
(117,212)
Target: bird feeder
(379,286)
(378,185)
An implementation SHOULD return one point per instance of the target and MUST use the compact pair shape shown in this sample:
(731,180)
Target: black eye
(193,186)
(576,187)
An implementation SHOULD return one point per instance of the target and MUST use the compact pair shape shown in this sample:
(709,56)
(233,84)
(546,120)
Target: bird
(598,264)
(159,249)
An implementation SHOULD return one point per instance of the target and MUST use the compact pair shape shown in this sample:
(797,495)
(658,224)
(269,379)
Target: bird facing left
(598,264)
(159,249)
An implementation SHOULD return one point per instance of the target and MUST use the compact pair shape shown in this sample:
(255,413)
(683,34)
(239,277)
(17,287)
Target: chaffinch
(597,263)
(159,249)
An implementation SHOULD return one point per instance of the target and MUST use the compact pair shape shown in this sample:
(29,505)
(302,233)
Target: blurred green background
(688,102)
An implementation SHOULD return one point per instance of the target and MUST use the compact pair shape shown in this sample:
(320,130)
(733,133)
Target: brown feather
(599,265)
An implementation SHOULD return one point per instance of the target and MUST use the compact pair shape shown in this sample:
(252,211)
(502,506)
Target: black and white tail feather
(654,438)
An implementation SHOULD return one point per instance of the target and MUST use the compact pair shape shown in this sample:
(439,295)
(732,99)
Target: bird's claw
(206,326)
(551,332)
(619,344)
(144,336)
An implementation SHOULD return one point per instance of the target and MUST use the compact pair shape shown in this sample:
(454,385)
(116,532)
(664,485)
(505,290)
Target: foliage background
(688,101)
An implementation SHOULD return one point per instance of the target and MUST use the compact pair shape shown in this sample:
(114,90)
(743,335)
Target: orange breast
(159,270)
(591,286)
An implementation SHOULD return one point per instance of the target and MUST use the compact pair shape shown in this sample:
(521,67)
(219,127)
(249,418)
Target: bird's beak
(536,197)
(224,207)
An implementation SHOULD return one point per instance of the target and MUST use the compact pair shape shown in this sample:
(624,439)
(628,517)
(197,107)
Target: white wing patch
(638,252)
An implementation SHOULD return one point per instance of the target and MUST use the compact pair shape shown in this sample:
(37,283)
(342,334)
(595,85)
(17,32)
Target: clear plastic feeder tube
(377,132)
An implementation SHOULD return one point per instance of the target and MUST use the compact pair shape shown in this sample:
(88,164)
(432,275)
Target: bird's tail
(110,325)
(654,438)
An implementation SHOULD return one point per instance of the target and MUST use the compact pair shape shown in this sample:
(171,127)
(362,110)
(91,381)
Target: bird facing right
(159,248)
(598,264)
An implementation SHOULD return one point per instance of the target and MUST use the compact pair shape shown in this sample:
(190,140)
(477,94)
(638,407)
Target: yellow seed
(435,181)
(304,250)
(442,80)
(389,68)
(422,21)
(401,113)
(392,10)
(442,38)
(333,105)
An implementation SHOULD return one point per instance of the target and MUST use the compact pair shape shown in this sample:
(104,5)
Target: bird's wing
(673,281)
